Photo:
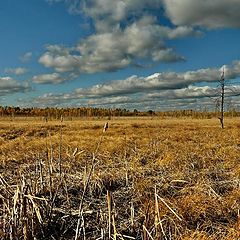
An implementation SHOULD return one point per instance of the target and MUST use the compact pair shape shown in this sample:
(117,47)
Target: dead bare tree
(226,91)
(222,82)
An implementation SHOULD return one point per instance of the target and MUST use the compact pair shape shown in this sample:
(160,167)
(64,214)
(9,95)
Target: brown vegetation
(142,178)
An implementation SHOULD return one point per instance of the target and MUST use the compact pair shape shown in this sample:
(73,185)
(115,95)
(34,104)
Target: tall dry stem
(109,204)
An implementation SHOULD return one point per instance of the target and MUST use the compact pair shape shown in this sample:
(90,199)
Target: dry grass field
(142,178)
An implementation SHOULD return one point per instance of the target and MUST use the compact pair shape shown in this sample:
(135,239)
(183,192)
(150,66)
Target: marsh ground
(144,178)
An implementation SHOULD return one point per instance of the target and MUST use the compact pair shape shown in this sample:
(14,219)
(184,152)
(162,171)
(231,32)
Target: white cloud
(115,11)
(183,31)
(129,30)
(188,92)
(60,58)
(157,81)
(110,100)
(16,71)
(52,78)
(9,85)
(110,51)
(26,57)
(191,97)
(111,10)
(165,87)
(207,13)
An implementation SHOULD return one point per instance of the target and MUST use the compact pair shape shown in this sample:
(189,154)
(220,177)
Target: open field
(142,178)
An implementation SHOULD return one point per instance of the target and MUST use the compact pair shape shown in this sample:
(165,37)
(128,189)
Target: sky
(146,55)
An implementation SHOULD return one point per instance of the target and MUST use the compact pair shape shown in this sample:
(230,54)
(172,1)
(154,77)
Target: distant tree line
(81,112)
(56,113)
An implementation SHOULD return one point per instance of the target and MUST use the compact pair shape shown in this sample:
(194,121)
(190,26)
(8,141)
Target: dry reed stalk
(238,223)
(67,195)
(158,220)
(125,159)
(60,148)
(50,164)
(41,174)
(36,177)
(109,204)
(14,213)
(164,202)
(24,208)
(105,127)
(132,216)
(115,234)
(146,223)
(102,233)
(35,208)
(50,207)
(4,183)
(147,233)
(157,214)
(82,228)
(123,237)
(3,218)
(111,218)
(51,154)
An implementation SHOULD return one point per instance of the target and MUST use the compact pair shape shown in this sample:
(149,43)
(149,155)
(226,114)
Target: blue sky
(149,54)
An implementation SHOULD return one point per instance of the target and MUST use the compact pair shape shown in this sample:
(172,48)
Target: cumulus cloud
(9,85)
(157,81)
(126,31)
(60,58)
(26,57)
(165,86)
(111,10)
(129,30)
(192,97)
(207,13)
(16,71)
(116,11)
(110,51)
(52,78)
(184,93)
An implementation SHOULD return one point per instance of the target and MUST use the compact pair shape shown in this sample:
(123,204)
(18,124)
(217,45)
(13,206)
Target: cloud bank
(9,85)
(165,86)
(207,13)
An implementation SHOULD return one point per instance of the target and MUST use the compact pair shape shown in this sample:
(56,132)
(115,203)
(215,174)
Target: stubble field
(142,178)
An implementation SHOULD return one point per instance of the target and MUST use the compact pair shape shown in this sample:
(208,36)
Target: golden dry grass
(165,178)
